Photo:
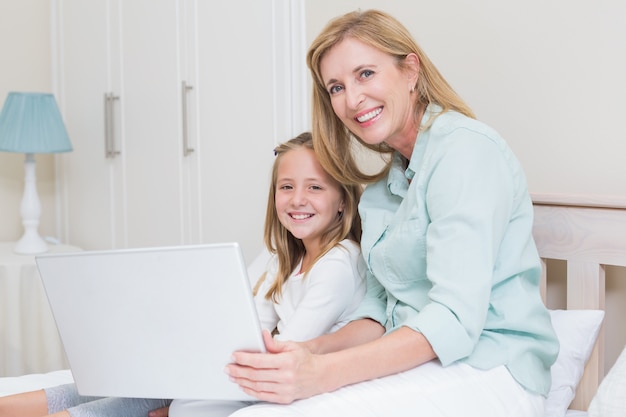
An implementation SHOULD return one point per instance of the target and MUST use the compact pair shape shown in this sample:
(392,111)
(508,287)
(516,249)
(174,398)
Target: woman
(452,322)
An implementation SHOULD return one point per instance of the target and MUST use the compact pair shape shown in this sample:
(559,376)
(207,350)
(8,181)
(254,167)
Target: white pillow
(610,400)
(577,331)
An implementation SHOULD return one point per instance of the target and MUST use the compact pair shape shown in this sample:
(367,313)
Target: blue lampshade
(32,123)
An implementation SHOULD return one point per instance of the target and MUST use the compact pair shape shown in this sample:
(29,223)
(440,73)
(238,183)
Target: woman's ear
(412,68)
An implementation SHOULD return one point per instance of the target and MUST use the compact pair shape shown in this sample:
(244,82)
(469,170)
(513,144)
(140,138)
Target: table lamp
(31,123)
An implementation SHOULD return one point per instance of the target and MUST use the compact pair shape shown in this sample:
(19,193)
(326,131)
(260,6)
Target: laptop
(153,322)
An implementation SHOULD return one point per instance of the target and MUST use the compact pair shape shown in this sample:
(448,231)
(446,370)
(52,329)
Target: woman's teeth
(369,115)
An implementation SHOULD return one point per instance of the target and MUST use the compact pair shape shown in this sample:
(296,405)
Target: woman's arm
(290,371)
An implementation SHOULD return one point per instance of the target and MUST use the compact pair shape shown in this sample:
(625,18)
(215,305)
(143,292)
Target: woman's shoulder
(452,131)
(454,123)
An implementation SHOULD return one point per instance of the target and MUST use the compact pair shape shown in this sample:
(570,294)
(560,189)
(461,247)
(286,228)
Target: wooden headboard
(589,233)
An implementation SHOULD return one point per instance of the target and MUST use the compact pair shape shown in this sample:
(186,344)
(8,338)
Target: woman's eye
(335,89)
(366,73)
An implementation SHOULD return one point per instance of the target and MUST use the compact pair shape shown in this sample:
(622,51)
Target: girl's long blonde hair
(333,141)
(289,249)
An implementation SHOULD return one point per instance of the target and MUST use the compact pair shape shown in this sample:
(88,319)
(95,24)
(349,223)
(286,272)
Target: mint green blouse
(449,248)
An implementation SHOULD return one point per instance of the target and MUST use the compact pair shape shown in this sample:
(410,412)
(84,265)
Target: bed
(588,234)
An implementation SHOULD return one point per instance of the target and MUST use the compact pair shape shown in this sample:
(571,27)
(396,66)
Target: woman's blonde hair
(332,139)
(289,249)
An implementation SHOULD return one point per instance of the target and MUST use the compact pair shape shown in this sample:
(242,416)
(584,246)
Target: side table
(29,341)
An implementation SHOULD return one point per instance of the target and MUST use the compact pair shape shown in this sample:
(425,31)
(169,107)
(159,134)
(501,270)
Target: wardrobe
(173,108)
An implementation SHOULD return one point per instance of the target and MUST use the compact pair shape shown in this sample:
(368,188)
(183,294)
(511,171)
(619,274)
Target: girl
(312,285)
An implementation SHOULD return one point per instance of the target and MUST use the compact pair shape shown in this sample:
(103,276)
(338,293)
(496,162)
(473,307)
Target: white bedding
(13,385)
(577,331)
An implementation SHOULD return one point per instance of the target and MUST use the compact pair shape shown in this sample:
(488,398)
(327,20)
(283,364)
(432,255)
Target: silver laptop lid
(153,323)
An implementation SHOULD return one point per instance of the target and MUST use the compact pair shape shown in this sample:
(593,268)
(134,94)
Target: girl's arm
(318,303)
(291,371)
(26,404)
(323,300)
(352,334)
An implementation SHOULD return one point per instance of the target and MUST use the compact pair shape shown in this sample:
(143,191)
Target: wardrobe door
(235,135)
(151,113)
(87,69)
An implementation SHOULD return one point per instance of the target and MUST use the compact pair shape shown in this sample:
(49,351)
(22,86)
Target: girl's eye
(316,187)
(285,187)
(335,89)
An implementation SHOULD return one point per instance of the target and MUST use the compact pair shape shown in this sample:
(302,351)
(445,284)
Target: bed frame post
(585,290)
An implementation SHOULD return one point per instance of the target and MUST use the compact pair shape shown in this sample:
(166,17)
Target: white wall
(24,66)
(548,75)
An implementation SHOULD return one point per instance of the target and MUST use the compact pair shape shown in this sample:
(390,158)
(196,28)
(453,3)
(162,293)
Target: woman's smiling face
(370,93)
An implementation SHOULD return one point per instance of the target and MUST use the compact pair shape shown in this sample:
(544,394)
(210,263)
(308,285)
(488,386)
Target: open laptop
(153,323)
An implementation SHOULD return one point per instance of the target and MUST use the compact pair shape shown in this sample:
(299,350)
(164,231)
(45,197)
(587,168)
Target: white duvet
(13,385)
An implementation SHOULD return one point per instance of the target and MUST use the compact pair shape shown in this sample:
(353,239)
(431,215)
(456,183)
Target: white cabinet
(129,195)
(190,128)
(236,113)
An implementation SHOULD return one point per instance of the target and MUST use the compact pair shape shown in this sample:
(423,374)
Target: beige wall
(549,76)
(24,66)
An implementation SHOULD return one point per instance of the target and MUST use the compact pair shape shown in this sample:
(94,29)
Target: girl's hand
(159,412)
(286,373)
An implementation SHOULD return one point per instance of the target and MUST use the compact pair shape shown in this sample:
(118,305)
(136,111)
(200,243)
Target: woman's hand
(286,373)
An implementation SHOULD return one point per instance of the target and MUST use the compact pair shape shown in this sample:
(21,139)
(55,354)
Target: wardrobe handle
(186,149)
(109,132)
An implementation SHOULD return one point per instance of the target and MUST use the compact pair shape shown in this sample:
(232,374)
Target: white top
(319,302)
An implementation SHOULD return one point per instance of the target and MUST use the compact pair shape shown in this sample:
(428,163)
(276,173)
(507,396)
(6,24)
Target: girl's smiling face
(371,94)
(308,200)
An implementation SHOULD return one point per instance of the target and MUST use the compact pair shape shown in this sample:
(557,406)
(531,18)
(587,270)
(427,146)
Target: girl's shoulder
(344,248)
(342,267)
(346,253)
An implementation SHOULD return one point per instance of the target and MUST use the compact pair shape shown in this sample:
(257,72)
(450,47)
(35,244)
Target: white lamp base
(30,243)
